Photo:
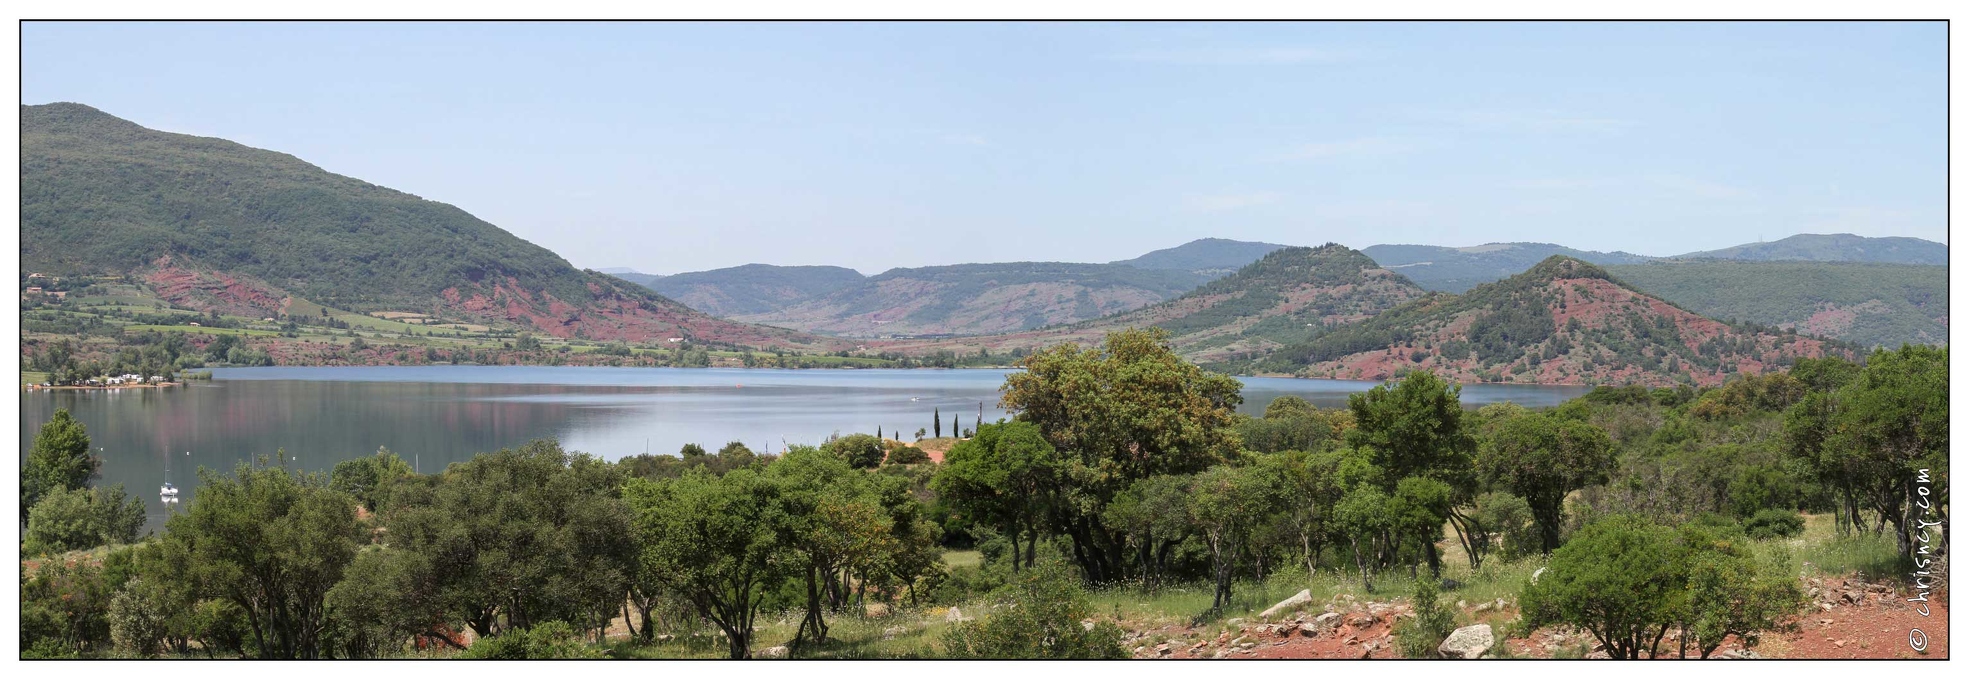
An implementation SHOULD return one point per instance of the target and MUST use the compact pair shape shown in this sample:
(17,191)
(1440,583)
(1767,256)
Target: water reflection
(434,416)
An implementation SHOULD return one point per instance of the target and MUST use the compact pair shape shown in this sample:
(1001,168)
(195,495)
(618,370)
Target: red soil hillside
(1562,322)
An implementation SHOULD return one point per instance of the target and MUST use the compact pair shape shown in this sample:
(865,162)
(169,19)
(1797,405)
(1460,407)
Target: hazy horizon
(677,147)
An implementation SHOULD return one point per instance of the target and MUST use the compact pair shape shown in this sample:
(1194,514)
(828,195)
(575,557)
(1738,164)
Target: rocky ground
(1849,619)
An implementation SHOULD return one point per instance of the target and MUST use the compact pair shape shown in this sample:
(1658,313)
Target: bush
(1037,617)
(1774,523)
(550,640)
(907,455)
(73,519)
(138,621)
(1419,637)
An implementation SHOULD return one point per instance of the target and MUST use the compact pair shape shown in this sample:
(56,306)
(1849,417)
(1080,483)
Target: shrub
(1419,637)
(138,620)
(1774,523)
(1037,617)
(550,640)
(907,455)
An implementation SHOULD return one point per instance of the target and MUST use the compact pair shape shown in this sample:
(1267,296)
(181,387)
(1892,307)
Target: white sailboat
(169,492)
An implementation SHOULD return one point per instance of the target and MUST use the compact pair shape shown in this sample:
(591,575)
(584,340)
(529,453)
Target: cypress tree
(936,423)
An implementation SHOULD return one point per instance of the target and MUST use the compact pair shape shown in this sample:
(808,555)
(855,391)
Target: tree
(59,459)
(1362,518)
(72,519)
(1002,478)
(715,541)
(1541,458)
(1876,433)
(273,542)
(861,451)
(520,537)
(831,524)
(367,478)
(1154,514)
(936,422)
(1310,490)
(1414,428)
(385,597)
(1226,505)
(1125,411)
(1624,579)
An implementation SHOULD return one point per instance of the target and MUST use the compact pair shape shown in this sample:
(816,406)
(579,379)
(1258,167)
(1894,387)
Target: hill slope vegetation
(970,299)
(214,224)
(1835,248)
(1288,295)
(1454,270)
(1563,321)
(1869,304)
(752,288)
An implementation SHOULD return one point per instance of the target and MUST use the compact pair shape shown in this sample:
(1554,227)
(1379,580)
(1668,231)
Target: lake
(436,415)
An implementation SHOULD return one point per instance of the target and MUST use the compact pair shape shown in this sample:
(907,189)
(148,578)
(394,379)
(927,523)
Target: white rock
(777,652)
(953,616)
(1468,642)
(1304,597)
(1535,574)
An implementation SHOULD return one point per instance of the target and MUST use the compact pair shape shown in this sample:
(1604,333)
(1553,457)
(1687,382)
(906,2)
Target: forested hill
(1286,296)
(215,224)
(1563,321)
(972,299)
(1454,270)
(1835,248)
(752,288)
(1867,303)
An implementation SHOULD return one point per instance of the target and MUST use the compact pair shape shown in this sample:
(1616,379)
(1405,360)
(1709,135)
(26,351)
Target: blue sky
(678,147)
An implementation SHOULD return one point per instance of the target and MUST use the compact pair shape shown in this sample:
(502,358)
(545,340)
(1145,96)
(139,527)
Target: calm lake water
(442,414)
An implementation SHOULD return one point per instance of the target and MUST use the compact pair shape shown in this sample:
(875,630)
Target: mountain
(1454,270)
(1286,296)
(1562,321)
(636,277)
(1216,256)
(1835,248)
(216,225)
(970,299)
(1866,303)
(752,288)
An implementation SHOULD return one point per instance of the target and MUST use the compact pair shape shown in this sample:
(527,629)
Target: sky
(675,147)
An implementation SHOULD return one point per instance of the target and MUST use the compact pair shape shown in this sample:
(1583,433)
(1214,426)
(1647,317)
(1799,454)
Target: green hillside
(1870,304)
(752,288)
(103,195)
(1835,248)
(1562,321)
(1454,270)
(211,225)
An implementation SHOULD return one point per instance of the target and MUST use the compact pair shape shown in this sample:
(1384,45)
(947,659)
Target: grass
(136,328)
(959,559)
(1823,551)
(33,377)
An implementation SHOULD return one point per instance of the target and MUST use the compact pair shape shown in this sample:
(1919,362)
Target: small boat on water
(168,491)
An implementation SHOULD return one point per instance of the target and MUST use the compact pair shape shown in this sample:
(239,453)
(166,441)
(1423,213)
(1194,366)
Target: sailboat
(169,492)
